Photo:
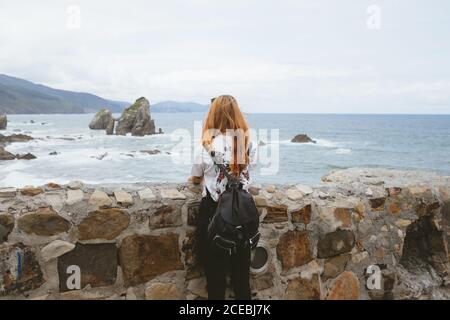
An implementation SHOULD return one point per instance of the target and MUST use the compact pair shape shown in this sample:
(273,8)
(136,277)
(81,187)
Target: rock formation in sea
(136,119)
(3,121)
(302,138)
(361,234)
(102,120)
(27,156)
(14,138)
(5,155)
(5,140)
(110,127)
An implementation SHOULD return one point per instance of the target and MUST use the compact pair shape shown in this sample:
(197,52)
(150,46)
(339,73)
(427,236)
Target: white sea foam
(326,143)
(343,151)
(319,143)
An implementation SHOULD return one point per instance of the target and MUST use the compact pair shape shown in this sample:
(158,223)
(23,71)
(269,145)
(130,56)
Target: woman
(225,135)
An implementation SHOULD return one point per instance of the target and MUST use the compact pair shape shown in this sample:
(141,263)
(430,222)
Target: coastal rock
(74,185)
(110,127)
(136,119)
(190,248)
(198,287)
(345,287)
(172,194)
(103,224)
(31,191)
(260,201)
(143,257)
(294,194)
(43,222)
(27,156)
(74,196)
(303,289)
(377,204)
(193,213)
(343,215)
(151,152)
(6,226)
(146,194)
(5,155)
(19,269)
(293,249)
(262,282)
(302,138)
(99,198)
(14,138)
(166,216)
(55,200)
(52,186)
(3,121)
(302,215)
(55,249)
(101,156)
(123,198)
(97,264)
(7,192)
(335,266)
(304,189)
(277,213)
(101,120)
(335,243)
(162,291)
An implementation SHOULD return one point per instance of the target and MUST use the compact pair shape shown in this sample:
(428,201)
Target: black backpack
(235,223)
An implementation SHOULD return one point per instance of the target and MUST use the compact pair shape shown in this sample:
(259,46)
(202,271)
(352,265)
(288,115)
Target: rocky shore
(137,241)
(5,140)
(135,119)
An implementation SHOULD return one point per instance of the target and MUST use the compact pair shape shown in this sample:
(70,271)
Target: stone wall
(137,241)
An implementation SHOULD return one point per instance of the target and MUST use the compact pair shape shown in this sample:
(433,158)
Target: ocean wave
(343,151)
(319,143)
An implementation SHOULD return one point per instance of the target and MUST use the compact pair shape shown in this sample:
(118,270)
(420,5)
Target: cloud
(295,56)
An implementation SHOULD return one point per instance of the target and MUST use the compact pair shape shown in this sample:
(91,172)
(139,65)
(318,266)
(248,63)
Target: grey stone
(100,198)
(123,198)
(146,195)
(335,243)
(74,196)
(172,194)
(55,249)
(8,192)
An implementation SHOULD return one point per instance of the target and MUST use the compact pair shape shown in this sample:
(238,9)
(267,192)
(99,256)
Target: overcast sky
(275,56)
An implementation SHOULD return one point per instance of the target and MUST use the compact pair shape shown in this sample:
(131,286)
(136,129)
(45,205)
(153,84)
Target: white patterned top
(215,180)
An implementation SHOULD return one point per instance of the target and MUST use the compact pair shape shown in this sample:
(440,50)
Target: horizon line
(303,113)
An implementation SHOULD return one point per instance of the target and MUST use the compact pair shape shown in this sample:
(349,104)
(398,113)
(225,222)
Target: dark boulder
(302,138)
(14,138)
(5,155)
(136,119)
(101,120)
(27,156)
(3,121)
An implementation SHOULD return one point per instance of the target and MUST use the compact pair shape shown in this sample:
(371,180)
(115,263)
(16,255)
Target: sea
(67,150)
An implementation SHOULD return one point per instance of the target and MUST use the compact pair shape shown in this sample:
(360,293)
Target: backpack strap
(231,179)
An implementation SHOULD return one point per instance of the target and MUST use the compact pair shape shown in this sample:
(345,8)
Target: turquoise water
(343,141)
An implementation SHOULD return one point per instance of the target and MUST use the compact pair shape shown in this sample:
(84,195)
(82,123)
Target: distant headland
(19,96)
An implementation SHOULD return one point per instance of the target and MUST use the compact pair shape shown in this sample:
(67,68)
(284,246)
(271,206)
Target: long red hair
(225,117)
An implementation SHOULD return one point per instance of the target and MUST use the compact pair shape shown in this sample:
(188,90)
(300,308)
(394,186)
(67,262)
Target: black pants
(217,262)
